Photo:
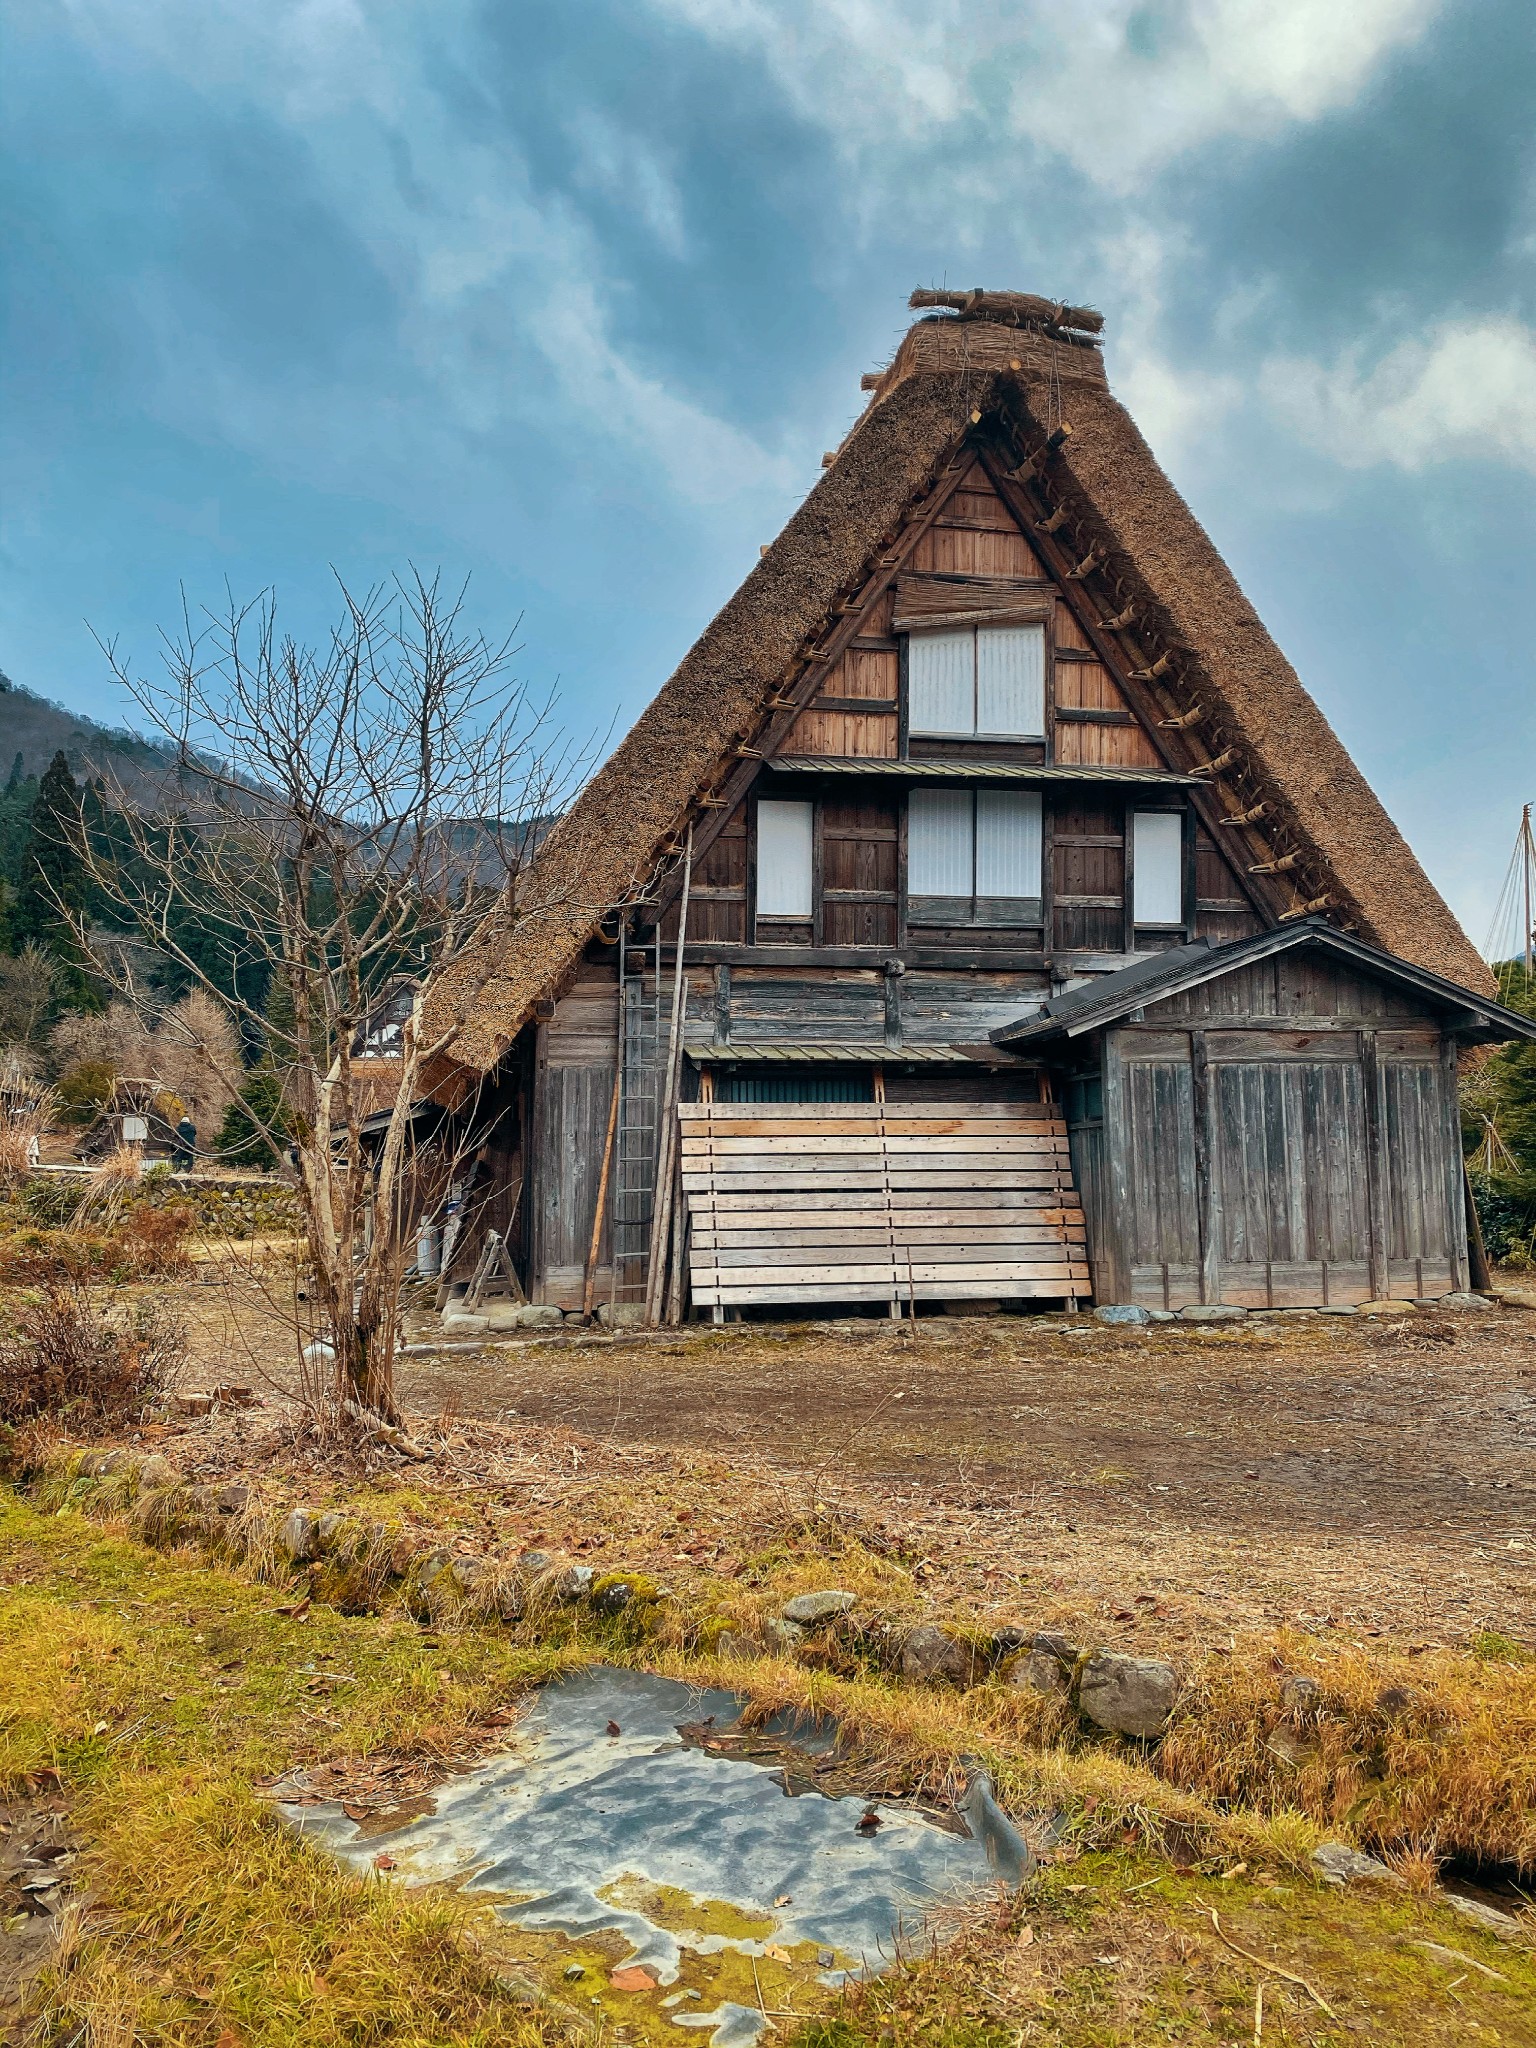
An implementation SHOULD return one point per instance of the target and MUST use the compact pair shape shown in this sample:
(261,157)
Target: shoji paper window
(1007,842)
(1157,855)
(973,847)
(940,854)
(941,682)
(1010,680)
(784,834)
(977,681)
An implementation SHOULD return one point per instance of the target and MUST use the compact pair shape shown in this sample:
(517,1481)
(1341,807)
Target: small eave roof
(1152,980)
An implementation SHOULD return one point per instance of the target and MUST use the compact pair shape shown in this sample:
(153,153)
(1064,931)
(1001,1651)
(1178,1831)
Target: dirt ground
(1376,1476)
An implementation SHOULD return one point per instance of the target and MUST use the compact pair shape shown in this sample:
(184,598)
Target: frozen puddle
(727,1893)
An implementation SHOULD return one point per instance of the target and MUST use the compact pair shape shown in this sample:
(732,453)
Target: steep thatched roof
(949,375)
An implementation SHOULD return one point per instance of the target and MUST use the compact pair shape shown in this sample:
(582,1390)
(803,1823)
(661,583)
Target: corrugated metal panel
(705,1052)
(918,770)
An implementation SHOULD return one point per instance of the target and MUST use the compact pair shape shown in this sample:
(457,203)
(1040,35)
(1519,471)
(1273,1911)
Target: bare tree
(28,982)
(350,812)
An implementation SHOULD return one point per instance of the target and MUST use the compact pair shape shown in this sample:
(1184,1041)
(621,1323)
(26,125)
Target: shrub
(155,1240)
(84,1089)
(39,1258)
(70,1361)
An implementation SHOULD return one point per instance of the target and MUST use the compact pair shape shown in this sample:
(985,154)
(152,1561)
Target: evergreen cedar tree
(52,883)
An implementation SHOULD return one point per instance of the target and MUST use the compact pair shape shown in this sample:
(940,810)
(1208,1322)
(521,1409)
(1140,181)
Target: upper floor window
(977,682)
(1157,867)
(785,838)
(973,856)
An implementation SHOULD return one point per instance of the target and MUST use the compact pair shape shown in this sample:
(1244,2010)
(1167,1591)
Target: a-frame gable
(971,535)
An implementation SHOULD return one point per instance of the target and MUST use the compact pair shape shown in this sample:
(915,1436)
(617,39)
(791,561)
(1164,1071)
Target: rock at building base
(464,1329)
(1463,1301)
(1384,1308)
(622,1315)
(1337,1308)
(1212,1312)
(1128,1695)
(525,1315)
(1117,1312)
(1162,1315)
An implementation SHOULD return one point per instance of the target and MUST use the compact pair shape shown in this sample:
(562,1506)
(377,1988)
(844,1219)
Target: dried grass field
(1349,1501)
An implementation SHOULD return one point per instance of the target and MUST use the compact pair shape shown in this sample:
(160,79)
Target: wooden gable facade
(863,838)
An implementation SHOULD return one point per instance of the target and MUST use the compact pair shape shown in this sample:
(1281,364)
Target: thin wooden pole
(661,1215)
(589,1286)
(679,1243)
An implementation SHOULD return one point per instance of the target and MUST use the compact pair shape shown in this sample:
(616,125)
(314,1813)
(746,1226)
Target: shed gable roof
(1155,979)
(1160,596)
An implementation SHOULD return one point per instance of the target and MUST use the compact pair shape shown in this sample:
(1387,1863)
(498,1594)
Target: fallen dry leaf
(632,1978)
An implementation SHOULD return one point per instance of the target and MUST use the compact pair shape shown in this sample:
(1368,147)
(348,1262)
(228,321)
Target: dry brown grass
(1430,1757)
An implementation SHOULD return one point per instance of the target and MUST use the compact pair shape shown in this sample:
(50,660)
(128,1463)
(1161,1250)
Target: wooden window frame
(1185,922)
(962,911)
(940,624)
(754,921)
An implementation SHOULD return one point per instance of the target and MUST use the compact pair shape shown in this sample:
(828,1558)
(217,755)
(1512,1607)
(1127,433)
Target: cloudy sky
(570,297)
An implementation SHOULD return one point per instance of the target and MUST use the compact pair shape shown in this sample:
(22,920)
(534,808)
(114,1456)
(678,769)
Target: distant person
(185,1156)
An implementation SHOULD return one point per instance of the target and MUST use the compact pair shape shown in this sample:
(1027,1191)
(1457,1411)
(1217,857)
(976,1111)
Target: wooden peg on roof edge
(1160,667)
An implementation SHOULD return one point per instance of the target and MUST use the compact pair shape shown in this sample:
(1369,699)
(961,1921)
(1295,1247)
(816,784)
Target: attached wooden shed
(1270,1123)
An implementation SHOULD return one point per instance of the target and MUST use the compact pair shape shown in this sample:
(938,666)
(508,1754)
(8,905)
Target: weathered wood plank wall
(1294,1145)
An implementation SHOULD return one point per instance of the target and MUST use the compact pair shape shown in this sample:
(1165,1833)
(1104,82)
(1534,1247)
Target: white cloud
(470,248)
(1116,88)
(1464,391)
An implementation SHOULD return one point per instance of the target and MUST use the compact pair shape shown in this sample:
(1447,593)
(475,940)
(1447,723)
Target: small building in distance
(132,1117)
(983,911)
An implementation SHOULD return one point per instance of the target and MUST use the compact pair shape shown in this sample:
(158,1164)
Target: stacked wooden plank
(800,1202)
